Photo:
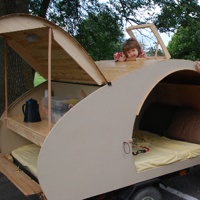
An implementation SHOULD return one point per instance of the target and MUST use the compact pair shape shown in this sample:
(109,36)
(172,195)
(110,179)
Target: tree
(19,72)
(100,35)
(182,18)
(151,52)
(68,14)
(185,43)
(178,13)
(93,24)
(75,16)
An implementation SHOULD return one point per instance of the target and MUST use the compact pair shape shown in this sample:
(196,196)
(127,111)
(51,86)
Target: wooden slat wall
(178,95)
(36,54)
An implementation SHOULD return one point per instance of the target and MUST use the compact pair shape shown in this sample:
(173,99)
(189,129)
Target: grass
(38,79)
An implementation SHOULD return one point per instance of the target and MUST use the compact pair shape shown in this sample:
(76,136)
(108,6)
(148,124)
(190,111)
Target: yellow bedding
(27,155)
(160,150)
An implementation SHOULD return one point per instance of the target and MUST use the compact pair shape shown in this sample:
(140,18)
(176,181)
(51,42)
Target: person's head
(131,48)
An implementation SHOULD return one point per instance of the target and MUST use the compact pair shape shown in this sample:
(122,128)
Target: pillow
(185,126)
(157,118)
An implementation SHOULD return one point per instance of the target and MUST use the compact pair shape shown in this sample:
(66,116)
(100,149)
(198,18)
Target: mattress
(152,150)
(27,156)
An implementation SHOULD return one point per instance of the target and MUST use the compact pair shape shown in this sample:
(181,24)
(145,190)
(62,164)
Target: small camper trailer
(96,128)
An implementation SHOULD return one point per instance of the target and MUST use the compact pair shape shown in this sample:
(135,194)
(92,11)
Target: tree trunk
(20,74)
(43,8)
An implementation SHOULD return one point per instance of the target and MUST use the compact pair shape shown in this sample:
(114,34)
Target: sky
(166,38)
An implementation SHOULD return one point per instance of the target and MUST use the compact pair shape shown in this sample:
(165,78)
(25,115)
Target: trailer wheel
(147,193)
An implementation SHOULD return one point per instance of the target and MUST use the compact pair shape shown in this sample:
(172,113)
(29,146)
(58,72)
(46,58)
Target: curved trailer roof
(42,43)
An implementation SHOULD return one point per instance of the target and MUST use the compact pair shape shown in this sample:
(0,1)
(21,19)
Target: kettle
(31,111)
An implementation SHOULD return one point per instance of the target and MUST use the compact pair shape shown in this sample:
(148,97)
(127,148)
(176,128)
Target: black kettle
(31,111)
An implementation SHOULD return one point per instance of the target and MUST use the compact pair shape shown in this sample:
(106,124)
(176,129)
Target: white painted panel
(83,155)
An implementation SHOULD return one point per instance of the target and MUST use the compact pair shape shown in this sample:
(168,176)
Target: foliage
(97,26)
(68,14)
(185,43)
(75,15)
(175,13)
(100,35)
(132,12)
(38,79)
(181,17)
(151,52)
(94,25)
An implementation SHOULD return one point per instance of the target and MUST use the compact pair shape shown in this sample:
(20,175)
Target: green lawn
(38,79)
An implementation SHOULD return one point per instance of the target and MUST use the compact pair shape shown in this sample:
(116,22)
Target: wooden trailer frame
(88,151)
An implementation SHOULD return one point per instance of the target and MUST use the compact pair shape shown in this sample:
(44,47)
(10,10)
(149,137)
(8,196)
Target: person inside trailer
(131,49)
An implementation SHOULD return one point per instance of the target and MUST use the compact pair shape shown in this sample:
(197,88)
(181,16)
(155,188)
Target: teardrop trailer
(131,126)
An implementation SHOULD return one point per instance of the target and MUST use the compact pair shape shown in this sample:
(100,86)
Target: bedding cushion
(27,155)
(161,150)
(157,118)
(185,126)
